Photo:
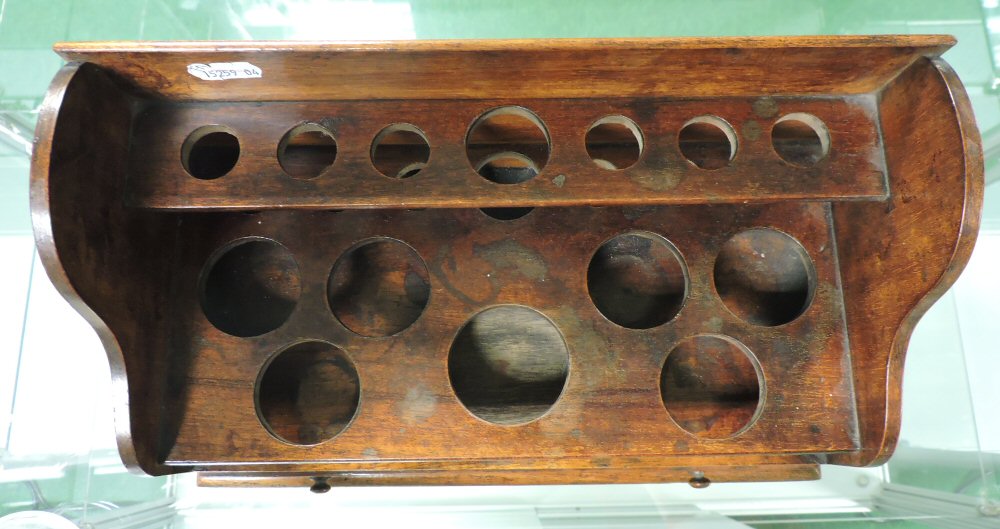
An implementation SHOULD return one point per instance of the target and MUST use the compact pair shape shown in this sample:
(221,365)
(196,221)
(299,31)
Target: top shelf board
(485,69)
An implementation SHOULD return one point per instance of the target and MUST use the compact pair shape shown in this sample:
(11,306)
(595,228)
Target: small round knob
(320,486)
(699,482)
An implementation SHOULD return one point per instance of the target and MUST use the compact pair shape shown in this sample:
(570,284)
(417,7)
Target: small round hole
(508,365)
(379,287)
(637,280)
(711,386)
(210,152)
(708,142)
(250,288)
(800,139)
(307,150)
(765,277)
(308,393)
(400,151)
(614,142)
(508,145)
(506,213)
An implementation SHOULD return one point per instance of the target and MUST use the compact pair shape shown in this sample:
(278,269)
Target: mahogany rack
(506,262)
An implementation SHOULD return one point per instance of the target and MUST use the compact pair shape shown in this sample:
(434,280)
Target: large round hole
(764,276)
(400,151)
(250,288)
(800,139)
(307,150)
(308,393)
(711,386)
(379,287)
(508,364)
(708,142)
(637,280)
(614,142)
(210,152)
(508,145)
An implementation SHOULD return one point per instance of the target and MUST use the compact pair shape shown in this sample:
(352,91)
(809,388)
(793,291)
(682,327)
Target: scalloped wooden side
(900,256)
(97,253)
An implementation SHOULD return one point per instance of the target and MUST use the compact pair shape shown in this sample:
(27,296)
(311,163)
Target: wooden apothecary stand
(506,262)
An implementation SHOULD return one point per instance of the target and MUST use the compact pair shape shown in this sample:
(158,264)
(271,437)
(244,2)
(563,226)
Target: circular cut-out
(508,364)
(614,142)
(250,288)
(800,139)
(508,145)
(308,393)
(400,151)
(764,276)
(637,280)
(210,152)
(711,386)
(379,287)
(307,150)
(708,142)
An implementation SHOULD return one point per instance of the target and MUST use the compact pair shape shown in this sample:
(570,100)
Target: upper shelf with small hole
(505,153)
(447,124)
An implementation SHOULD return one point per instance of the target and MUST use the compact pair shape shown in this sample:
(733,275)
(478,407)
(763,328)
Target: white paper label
(223,71)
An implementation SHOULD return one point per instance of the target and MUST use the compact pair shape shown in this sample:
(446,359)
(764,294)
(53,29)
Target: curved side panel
(95,252)
(900,256)
(41,220)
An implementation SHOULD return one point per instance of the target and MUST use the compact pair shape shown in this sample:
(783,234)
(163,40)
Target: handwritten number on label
(221,71)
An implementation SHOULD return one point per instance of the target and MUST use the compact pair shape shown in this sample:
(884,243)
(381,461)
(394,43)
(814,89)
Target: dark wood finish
(898,267)
(698,477)
(271,320)
(539,261)
(524,69)
(92,253)
(853,170)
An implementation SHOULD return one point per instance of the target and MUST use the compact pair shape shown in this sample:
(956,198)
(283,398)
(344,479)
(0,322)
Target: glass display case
(58,453)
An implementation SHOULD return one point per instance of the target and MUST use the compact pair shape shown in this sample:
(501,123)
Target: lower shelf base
(699,478)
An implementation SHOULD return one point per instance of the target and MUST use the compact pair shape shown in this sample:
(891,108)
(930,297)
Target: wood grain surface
(351,269)
(854,168)
(706,475)
(485,69)
(898,267)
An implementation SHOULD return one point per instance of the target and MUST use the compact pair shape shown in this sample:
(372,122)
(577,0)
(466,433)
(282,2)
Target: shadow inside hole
(307,150)
(207,155)
(637,280)
(614,143)
(800,139)
(378,288)
(400,151)
(507,168)
(506,213)
(308,393)
(764,276)
(508,365)
(708,142)
(251,289)
(504,143)
(410,170)
(710,386)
